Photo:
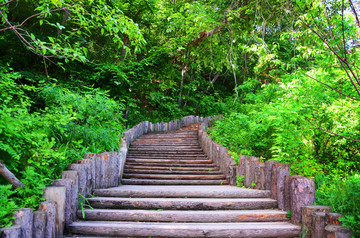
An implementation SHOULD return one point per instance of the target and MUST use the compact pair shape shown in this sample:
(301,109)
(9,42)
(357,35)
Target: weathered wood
(50,208)
(39,225)
(306,216)
(24,218)
(268,173)
(150,229)
(67,183)
(183,203)
(332,218)
(122,159)
(73,176)
(249,174)
(287,193)
(88,173)
(10,232)
(58,194)
(185,216)
(280,171)
(302,193)
(9,176)
(82,177)
(318,224)
(182,191)
(338,231)
(258,168)
(91,157)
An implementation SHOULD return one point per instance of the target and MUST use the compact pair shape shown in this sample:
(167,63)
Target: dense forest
(284,73)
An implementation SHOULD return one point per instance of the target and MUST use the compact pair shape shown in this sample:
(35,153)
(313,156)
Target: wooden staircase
(171,189)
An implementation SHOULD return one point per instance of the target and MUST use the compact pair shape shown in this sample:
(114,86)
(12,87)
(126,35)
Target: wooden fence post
(57,193)
(24,218)
(50,208)
(39,225)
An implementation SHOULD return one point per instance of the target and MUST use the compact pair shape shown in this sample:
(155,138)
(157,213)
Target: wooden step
(166,157)
(164,149)
(149,229)
(174,176)
(182,191)
(183,203)
(167,161)
(190,152)
(168,171)
(172,182)
(172,165)
(171,168)
(184,216)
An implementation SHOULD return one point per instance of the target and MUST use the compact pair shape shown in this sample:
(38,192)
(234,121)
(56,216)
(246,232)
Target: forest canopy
(285,75)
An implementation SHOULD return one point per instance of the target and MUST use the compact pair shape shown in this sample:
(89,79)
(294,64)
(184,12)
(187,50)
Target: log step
(184,216)
(191,152)
(182,191)
(172,182)
(170,168)
(149,229)
(168,161)
(168,171)
(176,176)
(172,165)
(166,157)
(165,149)
(183,203)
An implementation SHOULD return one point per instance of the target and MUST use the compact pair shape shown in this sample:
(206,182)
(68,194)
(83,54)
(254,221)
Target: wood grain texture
(24,218)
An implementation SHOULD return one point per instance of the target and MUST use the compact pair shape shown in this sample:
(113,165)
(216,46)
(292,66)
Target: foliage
(30,194)
(343,196)
(7,205)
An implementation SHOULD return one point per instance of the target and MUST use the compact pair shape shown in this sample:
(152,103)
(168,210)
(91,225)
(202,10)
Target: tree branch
(10,177)
(204,35)
(6,3)
(354,11)
(38,14)
(357,99)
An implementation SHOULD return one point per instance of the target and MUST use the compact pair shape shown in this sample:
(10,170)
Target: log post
(268,173)
(50,208)
(73,176)
(67,183)
(332,218)
(318,224)
(306,217)
(279,172)
(10,232)
(24,218)
(10,177)
(249,174)
(88,173)
(258,168)
(57,193)
(82,177)
(122,160)
(39,225)
(287,193)
(302,193)
(337,231)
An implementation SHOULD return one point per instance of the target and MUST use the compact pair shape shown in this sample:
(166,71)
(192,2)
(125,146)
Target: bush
(343,195)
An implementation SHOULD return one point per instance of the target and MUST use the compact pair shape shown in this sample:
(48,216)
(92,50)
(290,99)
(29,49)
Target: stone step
(149,229)
(174,176)
(183,203)
(168,171)
(184,216)
(182,191)
(172,182)
(171,168)
(168,161)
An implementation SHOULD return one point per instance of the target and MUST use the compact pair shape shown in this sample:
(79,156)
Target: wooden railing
(94,171)
(293,193)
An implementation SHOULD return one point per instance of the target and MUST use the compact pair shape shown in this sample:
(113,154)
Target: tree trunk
(10,177)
